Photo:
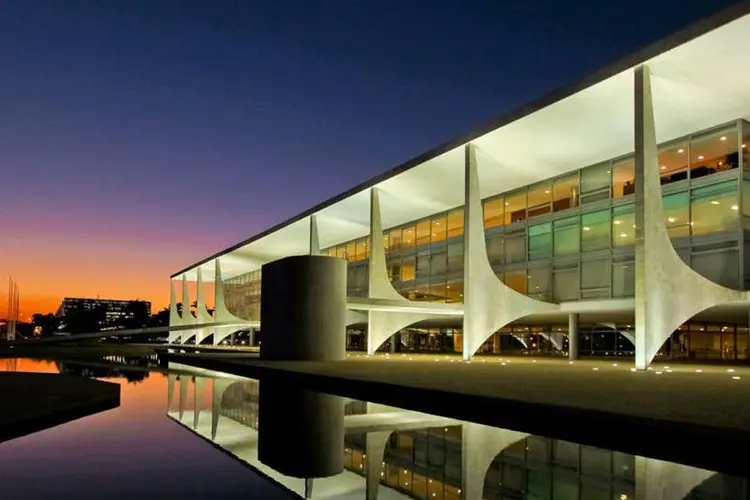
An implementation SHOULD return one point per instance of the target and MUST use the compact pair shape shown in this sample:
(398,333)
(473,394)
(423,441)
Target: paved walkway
(669,412)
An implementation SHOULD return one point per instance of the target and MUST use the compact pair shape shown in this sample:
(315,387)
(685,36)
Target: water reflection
(322,446)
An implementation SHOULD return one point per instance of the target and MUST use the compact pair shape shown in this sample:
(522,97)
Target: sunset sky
(138,136)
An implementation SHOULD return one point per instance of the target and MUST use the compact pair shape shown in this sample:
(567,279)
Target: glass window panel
(566,284)
(438,229)
(565,192)
(539,199)
(351,252)
(422,292)
(540,241)
(539,283)
(515,247)
(341,252)
(438,292)
(595,274)
(720,267)
(408,268)
(673,162)
(623,178)
(567,236)
(515,207)
(494,212)
(394,242)
(495,249)
(455,257)
(394,268)
(409,237)
(623,226)
(423,232)
(455,222)
(595,179)
(332,252)
(623,279)
(714,208)
(745,146)
(713,153)
(438,263)
(677,214)
(595,230)
(423,266)
(361,249)
(516,280)
(455,291)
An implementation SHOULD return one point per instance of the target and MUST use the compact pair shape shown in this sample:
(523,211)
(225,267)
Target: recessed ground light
(735,207)
(714,202)
(700,157)
(663,167)
(723,138)
(618,222)
(586,228)
(698,371)
(671,219)
(735,377)
(623,235)
(680,150)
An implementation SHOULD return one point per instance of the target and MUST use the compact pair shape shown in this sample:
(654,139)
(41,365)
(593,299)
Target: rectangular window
(495,249)
(539,281)
(437,291)
(515,206)
(516,280)
(456,222)
(714,208)
(394,241)
(409,237)
(423,266)
(408,268)
(494,213)
(677,214)
(423,232)
(720,267)
(455,291)
(540,241)
(566,284)
(455,257)
(567,236)
(595,231)
(351,253)
(623,225)
(673,162)
(623,178)
(714,152)
(438,264)
(361,249)
(595,183)
(595,277)
(539,199)
(341,252)
(565,192)
(515,247)
(438,228)
(745,146)
(623,279)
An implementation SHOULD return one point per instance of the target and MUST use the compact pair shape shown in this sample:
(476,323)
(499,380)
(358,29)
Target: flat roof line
(654,49)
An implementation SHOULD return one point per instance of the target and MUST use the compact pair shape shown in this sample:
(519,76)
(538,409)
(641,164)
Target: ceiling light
(671,219)
(714,202)
(586,228)
(680,150)
(723,138)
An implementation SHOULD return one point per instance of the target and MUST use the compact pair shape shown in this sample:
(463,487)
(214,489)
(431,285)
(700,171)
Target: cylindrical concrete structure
(303,309)
(300,433)
(573,336)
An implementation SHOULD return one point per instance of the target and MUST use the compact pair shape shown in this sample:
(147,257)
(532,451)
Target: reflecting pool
(184,432)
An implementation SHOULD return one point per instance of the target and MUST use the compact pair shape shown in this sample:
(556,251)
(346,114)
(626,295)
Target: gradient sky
(138,136)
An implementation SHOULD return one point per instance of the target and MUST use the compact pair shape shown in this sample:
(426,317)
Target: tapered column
(184,381)
(573,336)
(659,480)
(480,445)
(375,447)
(667,291)
(314,239)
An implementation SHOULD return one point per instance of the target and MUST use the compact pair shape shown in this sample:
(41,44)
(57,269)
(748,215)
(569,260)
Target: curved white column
(480,445)
(174,316)
(314,239)
(201,311)
(667,291)
(659,480)
(221,313)
(187,317)
(375,449)
(382,324)
(488,303)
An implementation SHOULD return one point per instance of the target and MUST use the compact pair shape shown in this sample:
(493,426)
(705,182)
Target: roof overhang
(699,79)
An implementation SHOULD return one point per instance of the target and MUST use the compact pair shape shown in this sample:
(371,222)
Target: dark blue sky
(201,123)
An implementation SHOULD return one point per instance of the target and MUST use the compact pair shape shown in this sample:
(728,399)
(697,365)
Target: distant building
(114,310)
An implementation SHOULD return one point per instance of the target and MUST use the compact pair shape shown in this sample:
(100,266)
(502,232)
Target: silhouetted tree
(47,322)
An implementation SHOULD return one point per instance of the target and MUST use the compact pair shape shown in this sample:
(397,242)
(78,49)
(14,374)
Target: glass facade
(572,237)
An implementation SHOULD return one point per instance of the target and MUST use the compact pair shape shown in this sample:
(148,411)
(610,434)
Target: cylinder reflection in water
(303,308)
(300,433)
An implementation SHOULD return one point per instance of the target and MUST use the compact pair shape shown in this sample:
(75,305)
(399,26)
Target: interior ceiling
(696,85)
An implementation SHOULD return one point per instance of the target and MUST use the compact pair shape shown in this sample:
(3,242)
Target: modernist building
(608,217)
(113,310)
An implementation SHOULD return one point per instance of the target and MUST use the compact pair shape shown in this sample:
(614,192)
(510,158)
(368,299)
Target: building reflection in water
(391,453)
